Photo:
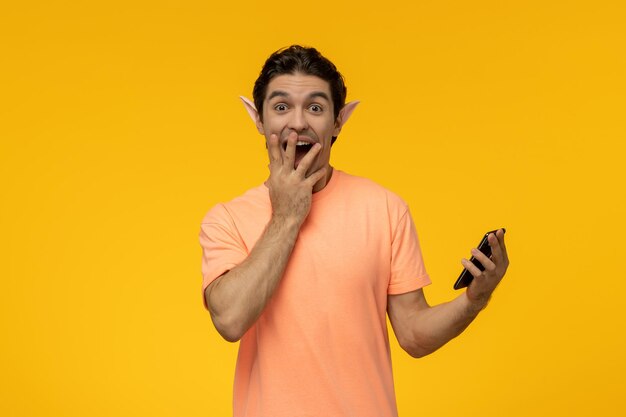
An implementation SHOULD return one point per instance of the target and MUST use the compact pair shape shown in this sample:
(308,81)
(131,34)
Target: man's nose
(298,121)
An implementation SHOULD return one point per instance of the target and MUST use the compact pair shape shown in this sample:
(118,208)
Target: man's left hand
(485,282)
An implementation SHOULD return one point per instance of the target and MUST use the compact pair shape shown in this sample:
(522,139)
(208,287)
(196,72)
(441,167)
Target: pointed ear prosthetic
(346,112)
(344,115)
(252,111)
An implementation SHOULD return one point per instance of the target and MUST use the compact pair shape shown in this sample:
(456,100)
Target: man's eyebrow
(279,93)
(319,94)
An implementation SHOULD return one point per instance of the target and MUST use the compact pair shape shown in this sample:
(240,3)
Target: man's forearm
(435,326)
(237,298)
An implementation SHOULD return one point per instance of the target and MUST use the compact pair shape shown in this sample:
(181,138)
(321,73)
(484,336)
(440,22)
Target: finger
(496,249)
(473,269)
(500,236)
(274,149)
(484,260)
(316,176)
(290,153)
(308,159)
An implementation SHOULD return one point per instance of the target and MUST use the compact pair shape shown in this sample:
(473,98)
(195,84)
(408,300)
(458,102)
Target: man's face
(300,103)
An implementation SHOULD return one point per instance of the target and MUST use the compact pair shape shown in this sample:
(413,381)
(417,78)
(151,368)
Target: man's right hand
(289,187)
(237,298)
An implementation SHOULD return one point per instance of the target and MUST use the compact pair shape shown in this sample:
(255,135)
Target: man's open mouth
(301,147)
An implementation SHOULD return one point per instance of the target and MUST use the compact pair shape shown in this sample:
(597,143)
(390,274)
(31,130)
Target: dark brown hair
(307,61)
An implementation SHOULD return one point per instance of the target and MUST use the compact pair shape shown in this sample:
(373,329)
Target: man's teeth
(300,143)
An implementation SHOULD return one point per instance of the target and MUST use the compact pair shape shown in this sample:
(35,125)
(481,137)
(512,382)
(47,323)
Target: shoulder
(252,201)
(370,190)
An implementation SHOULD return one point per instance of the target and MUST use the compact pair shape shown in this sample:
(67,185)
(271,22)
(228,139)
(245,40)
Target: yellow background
(120,127)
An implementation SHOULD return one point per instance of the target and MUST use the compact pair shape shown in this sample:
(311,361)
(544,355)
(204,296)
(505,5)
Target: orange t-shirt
(320,347)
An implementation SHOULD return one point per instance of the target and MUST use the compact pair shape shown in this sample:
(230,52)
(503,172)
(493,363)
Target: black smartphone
(465,278)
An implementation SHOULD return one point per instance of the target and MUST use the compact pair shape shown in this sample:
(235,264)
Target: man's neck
(321,184)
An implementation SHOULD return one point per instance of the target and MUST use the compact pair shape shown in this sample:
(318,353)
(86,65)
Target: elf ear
(344,115)
(252,111)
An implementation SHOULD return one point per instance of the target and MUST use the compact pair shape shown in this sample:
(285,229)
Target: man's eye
(280,107)
(315,108)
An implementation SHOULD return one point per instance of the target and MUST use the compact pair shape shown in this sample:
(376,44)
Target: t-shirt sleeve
(222,246)
(408,272)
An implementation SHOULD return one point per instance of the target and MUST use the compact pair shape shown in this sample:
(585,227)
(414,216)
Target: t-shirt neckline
(330,185)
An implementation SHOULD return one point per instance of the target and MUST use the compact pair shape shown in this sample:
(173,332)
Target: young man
(304,268)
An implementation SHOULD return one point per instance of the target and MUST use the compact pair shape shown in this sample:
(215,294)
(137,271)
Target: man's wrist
(284,225)
(475,304)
